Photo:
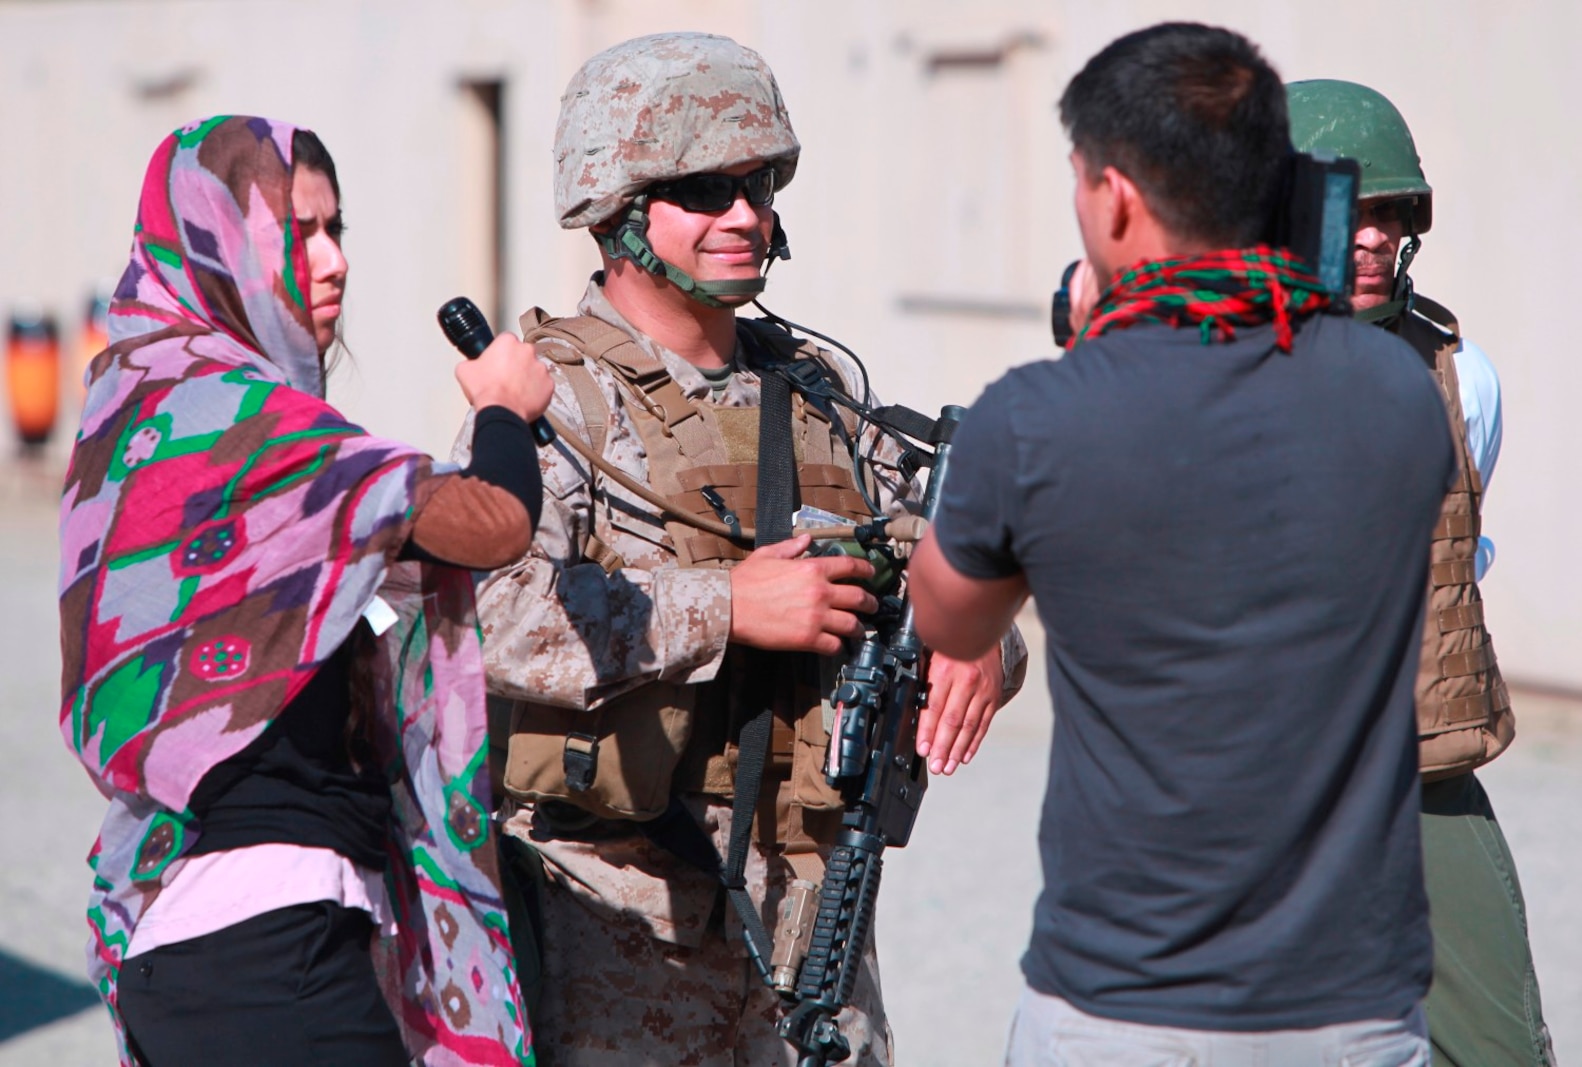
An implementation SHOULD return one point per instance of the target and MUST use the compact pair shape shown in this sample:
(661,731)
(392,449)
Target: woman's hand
(510,375)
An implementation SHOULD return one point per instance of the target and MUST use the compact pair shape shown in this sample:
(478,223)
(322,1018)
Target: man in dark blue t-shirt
(1218,501)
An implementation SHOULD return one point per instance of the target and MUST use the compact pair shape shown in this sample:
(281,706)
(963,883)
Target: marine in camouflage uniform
(642,964)
(1483,1007)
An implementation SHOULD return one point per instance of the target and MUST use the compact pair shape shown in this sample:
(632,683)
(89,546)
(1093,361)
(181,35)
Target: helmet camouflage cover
(1359,123)
(661,107)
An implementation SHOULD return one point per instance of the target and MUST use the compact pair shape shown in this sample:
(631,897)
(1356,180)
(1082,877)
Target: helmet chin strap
(629,240)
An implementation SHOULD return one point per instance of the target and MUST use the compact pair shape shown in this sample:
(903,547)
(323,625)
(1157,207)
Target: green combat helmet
(1354,121)
(658,108)
(1351,120)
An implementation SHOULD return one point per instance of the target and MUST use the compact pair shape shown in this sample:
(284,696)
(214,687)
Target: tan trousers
(615,997)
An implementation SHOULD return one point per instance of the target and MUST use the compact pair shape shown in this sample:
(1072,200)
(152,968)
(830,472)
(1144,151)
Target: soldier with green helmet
(629,651)
(1483,1007)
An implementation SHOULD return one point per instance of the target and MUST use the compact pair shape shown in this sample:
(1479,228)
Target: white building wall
(929,220)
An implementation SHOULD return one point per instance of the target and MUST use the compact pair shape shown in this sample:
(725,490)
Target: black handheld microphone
(466,328)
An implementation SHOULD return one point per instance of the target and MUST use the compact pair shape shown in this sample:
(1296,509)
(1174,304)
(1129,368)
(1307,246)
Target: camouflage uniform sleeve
(558,629)
(1013,662)
(897,496)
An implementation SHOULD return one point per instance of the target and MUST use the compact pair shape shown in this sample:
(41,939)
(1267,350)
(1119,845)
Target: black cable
(861,410)
(867,391)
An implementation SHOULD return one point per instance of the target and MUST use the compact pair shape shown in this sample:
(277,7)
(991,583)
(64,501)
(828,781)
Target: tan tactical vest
(667,737)
(1463,712)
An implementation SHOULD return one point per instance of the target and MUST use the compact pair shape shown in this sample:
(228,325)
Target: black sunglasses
(717,192)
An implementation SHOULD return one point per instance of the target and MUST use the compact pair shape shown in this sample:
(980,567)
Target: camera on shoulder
(1315,217)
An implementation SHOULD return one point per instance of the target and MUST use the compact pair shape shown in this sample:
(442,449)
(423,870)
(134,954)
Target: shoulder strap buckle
(806,376)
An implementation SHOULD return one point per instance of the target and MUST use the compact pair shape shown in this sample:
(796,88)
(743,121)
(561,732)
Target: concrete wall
(929,220)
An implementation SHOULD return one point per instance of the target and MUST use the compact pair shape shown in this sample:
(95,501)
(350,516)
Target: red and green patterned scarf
(1216,291)
(222,531)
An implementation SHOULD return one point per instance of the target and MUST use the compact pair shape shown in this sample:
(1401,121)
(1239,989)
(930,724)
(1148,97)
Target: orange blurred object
(33,375)
(95,338)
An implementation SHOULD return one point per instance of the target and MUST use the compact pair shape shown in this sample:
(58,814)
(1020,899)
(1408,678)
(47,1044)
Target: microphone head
(465,327)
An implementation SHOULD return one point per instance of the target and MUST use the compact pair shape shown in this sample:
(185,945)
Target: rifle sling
(776,499)
(676,830)
(678,833)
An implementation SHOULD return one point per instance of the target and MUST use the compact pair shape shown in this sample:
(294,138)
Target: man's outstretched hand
(962,700)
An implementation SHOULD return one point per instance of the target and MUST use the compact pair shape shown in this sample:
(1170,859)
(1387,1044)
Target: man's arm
(969,680)
(561,630)
(963,694)
(958,615)
(1480,407)
(966,577)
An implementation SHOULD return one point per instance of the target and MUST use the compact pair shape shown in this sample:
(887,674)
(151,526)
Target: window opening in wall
(481,215)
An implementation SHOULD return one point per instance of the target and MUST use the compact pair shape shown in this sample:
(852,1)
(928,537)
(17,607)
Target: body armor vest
(1463,711)
(624,759)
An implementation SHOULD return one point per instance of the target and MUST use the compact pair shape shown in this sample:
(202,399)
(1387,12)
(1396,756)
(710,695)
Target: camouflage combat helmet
(657,108)
(1354,121)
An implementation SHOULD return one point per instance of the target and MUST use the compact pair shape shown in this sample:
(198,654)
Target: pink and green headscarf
(222,531)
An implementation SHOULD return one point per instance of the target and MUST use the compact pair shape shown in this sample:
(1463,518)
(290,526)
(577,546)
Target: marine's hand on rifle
(962,699)
(785,604)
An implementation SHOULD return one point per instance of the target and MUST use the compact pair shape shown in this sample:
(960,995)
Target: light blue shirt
(1480,405)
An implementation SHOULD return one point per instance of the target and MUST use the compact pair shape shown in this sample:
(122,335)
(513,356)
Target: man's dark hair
(1196,117)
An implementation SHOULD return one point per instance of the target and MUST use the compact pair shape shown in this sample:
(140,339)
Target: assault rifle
(873,761)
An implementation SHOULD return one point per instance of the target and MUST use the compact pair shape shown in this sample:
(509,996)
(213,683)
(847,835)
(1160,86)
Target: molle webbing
(1463,711)
(697,449)
(593,340)
(1461,617)
(820,485)
(1452,573)
(691,447)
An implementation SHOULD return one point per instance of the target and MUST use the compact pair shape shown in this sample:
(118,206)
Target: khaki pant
(1048,1032)
(615,997)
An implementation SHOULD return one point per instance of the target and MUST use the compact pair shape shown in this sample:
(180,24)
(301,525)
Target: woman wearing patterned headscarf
(271,663)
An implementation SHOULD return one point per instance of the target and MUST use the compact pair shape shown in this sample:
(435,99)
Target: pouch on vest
(615,762)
